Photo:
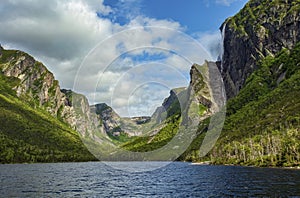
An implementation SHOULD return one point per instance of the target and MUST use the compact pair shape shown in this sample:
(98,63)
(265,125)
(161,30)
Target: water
(222,46)
(95,179)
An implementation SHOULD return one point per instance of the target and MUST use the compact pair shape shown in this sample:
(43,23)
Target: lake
(178,179)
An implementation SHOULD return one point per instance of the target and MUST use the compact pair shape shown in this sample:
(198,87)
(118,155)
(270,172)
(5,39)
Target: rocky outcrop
(1,48)
(109,118)
(38,87)
(37,84)
(170,106)
(199,86)
(115,125)
(203,97)
(79,114)
(260,29)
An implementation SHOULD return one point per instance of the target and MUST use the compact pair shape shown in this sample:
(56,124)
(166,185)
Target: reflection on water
(176,179)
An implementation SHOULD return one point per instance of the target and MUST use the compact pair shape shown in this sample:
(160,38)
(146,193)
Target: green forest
(263,120)
(30,134)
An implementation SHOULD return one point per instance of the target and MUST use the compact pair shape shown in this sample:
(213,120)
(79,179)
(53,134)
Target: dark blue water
(175,180)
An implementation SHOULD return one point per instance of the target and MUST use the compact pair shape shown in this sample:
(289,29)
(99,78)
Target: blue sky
(195,15)
(126,53)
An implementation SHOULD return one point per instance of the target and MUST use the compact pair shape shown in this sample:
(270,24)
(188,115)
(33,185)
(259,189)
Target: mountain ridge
(260,70)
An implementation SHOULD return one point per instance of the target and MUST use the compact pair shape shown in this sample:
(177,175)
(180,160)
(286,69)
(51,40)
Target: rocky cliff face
(109,118)
(170,106)
(37,84)
(202,97)
(204,94)
(39,88)
(115,125)
(1,48)
(260,29)
(199,85)
(77,112)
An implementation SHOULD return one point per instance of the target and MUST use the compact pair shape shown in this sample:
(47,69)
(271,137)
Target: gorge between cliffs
(242,109)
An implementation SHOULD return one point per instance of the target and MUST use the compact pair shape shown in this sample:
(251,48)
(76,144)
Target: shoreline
(204,163)
(251,166)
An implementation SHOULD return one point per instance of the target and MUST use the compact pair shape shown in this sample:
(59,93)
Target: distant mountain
(185,113)
(260,68)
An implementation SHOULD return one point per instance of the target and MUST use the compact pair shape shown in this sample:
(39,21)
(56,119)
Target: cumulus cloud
(225,2)
(126,10)
(211,41)
(107,60)
(59,33)
(60,29)
(220,2)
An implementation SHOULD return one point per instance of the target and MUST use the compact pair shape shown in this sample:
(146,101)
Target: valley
(242,109)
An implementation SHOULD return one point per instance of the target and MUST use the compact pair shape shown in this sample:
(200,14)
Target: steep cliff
(170,106)
(260,29)
(181,113)
(31,128)
(199,92)
(38,87)
(263,120)
(77,112)
(109,118)
(37,84)
(260,69)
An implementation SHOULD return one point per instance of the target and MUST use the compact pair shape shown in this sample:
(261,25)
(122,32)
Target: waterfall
(222,46)
(222,61)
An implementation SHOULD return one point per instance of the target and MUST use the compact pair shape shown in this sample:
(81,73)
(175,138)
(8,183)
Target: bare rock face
(199,85)
(77,112)
(39,88)
(37,84)
(199,100)
(260,29)
(170,106)
(113,124)
(110,119)
(1,48)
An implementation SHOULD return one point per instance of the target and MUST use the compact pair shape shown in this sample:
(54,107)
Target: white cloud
(62,33)
(128,8)
(211,41)
(225,2)
(219,2)
(131,89)
(60,29)
(56,32)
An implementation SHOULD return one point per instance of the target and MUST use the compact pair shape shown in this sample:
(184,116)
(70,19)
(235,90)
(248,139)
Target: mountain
(170,106)
(260,29)
(183,114)
(38,122)
(38,87)
(260,67)
(110,119)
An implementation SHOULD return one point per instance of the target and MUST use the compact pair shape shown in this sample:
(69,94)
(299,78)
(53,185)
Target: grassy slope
(33,135)
(262,126)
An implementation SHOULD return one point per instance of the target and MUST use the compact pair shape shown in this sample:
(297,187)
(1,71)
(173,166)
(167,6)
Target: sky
(126,53)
